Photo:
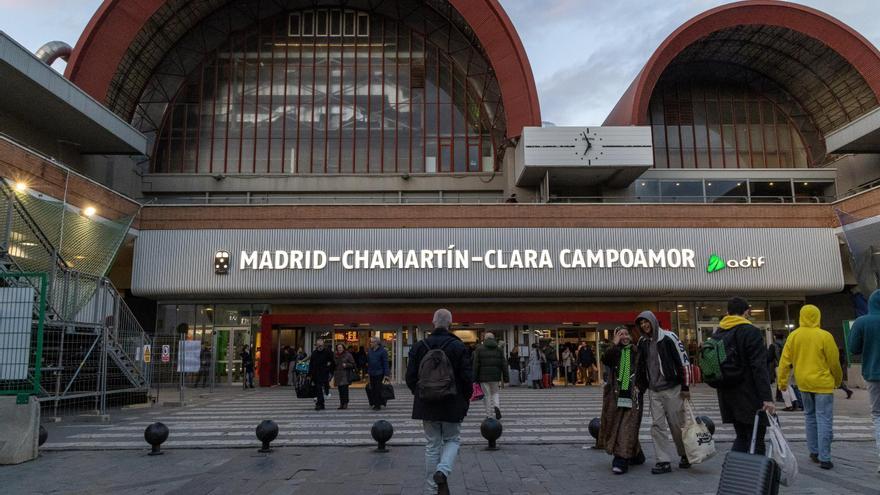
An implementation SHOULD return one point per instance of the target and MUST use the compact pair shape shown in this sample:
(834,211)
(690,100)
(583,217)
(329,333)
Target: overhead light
(739,184)
(567,323)
(89,211)
(21,186)
(209,309)
(677,184)
(806,183)
(709,184)
(28,244)
(771,184)
(643,184)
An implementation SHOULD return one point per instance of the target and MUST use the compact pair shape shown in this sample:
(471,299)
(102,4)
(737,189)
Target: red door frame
(520,318)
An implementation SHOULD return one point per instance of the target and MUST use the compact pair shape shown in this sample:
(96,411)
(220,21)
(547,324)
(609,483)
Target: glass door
(230,341)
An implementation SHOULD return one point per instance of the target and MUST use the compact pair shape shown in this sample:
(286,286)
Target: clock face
(588,146)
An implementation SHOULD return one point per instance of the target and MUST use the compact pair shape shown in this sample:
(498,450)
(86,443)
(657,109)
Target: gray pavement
(544,450)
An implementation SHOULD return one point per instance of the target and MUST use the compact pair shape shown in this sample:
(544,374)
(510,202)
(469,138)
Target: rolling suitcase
(545,380)
(749,474)
(515,379)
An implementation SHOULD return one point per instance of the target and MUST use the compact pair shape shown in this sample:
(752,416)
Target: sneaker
(814,458)
(617,470)
(661,468)
(497,413)
(826,464)
(849,394)
(684,464)
(442,485)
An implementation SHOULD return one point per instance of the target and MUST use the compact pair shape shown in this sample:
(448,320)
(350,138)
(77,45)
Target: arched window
(725,125)
(335,91)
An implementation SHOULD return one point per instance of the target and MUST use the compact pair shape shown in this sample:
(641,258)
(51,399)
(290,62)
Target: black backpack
(436,376)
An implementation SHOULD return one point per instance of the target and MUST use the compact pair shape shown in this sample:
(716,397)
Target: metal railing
(692,199)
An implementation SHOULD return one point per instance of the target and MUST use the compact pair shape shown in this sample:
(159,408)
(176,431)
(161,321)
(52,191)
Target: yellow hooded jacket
(812,352)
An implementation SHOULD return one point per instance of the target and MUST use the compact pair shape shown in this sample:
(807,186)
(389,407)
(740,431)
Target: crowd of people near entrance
(650,374)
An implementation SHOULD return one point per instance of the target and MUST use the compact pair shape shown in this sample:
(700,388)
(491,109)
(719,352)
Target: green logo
(716,264)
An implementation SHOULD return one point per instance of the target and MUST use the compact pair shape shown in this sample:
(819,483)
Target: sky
(583,53)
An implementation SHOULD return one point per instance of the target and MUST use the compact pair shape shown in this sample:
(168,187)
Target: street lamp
(21,187)
(89,211)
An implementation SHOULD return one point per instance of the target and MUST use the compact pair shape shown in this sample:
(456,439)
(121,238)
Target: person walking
(568,366)
(622,404)
(586,360)
(490,370)
(844,367)
(204,367)
(320,367)
(812,352)
(536,367)
(378,371)
(515,366)
(247,364)
(360,360)
(749,390)
(864,340)
(343,370)
(663,365)
(440,376)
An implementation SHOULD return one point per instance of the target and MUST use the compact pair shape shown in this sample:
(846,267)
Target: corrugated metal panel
(179,264)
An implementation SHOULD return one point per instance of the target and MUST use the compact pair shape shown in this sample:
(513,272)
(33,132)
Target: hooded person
(622,404)
(664,368)
(750,391)
(864,340)
(813,354)
(490,369)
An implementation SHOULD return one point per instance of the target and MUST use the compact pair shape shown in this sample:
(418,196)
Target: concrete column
(19,430)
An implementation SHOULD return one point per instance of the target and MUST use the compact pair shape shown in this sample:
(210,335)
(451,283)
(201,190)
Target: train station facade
(339,170)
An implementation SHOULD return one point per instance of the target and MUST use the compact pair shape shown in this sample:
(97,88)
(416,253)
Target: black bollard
(382,432)
(594,427)
(706,420)
(491,430)
(43,436)
(155,435)
(267,431)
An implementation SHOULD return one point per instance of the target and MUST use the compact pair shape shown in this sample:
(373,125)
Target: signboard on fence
(166,354)
(16,318)
(148,353)
(189,353)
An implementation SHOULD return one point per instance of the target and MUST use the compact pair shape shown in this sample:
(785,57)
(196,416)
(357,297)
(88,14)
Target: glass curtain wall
(705,125)
(335,91)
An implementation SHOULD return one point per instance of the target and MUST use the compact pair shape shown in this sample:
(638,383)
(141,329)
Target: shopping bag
(306,389)
(698,442)
(477,393)
(780,452)
(748,473)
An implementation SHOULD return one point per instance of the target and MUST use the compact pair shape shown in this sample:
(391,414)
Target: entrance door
(230,341)
(281,338)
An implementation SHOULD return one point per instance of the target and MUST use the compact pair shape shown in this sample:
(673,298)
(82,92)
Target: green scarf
(623,369)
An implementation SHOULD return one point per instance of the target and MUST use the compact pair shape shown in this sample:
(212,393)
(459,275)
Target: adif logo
(717,263)
(221,262)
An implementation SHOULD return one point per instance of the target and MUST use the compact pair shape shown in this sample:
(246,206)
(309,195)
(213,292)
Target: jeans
(818,421)
(248,379)
(743,440)
(440,451)
(491,397)
(874,395)
(667,409)
(291,368)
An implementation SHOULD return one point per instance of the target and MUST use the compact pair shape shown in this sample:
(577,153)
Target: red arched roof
(632,109)
(115,26)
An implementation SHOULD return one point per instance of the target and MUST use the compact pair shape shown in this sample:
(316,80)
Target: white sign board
(166,353)
(16,305)
(188,353)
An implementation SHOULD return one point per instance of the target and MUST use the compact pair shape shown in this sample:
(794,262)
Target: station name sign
(452,258)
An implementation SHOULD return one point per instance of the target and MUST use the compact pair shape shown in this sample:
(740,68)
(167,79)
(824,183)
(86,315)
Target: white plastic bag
(780,452)
(698,442)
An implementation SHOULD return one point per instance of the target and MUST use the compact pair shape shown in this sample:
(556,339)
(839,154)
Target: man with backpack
(440,375)
(734,361)
(664,366)
(865,341)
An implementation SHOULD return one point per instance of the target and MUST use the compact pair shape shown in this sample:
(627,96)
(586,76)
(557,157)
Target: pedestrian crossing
(228,418)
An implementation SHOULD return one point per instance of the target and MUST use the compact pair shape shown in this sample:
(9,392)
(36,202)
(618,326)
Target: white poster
(16,306)
(189,352)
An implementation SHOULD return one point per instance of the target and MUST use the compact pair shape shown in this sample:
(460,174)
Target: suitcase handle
(755,431)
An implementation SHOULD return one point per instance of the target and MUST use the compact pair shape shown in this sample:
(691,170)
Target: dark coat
(454,410)
(619,427)
(343,364)
(740,403)
(321,364)
(585,356)
(489,364)
(247,362)
(377,362)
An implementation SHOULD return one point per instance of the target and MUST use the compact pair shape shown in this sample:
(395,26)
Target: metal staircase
(92,341)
